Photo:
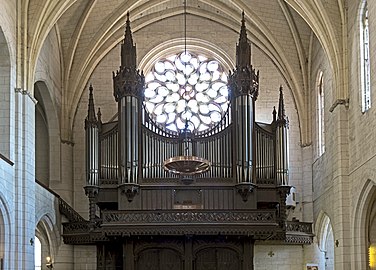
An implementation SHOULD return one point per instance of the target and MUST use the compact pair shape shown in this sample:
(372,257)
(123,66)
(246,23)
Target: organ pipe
(243,84)
(128,91)
(91,143)
(282,153)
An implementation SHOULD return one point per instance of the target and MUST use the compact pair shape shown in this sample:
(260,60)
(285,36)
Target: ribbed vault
(90,29)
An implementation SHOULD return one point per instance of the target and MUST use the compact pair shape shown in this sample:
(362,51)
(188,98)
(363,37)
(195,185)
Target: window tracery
(186,89)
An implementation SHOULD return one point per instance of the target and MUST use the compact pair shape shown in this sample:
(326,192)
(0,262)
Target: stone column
(24,196)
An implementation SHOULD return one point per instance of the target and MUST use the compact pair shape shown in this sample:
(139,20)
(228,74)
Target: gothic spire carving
(128,49)
(281,118)
(243,49)
(128,81)
(244,80)
(91,119)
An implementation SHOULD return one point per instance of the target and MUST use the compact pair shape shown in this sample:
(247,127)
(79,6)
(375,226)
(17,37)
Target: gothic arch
(325,237)
(47,111)
(46,233)
(5,234)
(361,221)
(177,45)
(5,93)
(323,25)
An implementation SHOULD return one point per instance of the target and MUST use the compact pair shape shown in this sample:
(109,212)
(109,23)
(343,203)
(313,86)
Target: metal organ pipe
(129,143)
(92,158)
(244,145)
(282,155)
(92,144)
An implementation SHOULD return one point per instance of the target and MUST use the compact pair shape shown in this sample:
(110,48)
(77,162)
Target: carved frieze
(295,226)
(162,217)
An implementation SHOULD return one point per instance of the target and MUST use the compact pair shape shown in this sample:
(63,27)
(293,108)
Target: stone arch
(46,233)
(177,45)
(371,234)
(47,155)
(361,223)
(320,21)
(104,41)
(5,97)
(5,235)
(326,240)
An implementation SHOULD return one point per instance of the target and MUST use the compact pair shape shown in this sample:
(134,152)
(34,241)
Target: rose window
(186,91)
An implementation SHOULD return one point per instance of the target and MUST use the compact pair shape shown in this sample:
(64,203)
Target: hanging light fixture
(186,165)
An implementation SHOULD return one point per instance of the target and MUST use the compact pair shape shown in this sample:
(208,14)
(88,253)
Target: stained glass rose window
(186,89)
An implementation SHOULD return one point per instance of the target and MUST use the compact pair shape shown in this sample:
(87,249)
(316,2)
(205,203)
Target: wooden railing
(64,208)
(6,159)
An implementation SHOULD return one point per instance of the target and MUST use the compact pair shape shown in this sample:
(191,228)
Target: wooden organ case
(142,216)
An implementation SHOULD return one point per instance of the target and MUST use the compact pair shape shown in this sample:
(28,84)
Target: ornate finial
(243,50)
(244,80)
(282,118)
(243,30)
(99,115)
(128,50)
(281,105)
(91,118)
(128,32)
(274,114)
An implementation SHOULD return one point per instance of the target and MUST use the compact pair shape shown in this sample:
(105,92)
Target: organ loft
(184,177)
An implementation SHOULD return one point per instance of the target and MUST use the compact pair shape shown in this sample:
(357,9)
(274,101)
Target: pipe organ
(157,192)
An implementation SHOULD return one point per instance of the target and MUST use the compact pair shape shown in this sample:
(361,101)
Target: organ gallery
(183,177)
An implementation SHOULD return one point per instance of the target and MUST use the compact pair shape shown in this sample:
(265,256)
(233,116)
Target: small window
(365,59)
(320,115)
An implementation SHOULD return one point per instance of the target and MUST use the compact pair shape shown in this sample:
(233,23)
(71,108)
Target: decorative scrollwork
(188,217)
(69,212)
(303,227)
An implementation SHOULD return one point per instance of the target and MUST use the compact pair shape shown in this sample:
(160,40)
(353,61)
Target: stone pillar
(24,196)
(341,189)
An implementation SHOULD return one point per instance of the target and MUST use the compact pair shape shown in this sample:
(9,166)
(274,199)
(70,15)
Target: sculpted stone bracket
(244,189)
(130,190)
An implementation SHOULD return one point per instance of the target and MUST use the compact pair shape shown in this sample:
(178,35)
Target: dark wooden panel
(159,259)
(217,259)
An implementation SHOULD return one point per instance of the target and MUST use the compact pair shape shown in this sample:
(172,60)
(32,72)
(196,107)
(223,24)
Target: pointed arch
(47,154)
(5,234)
(5,97)
(361,223)
(325,237)
(46,232)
